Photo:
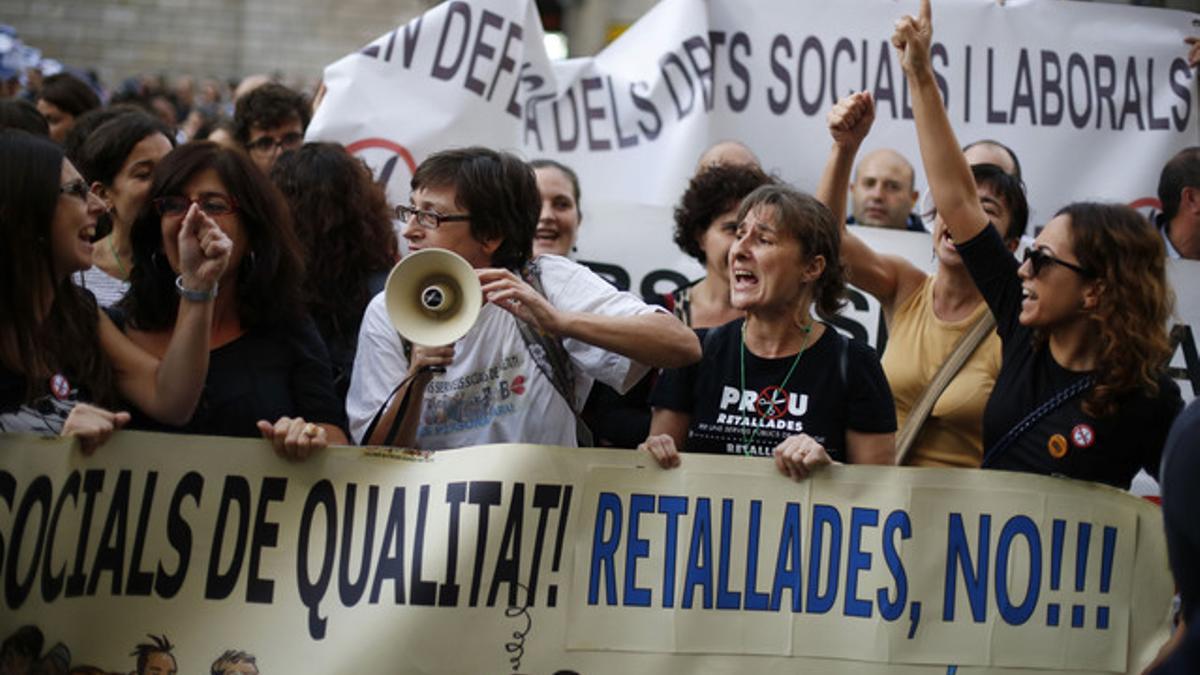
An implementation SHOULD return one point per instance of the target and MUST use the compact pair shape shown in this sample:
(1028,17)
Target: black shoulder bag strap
(551,357)
(394,427)
(1053,403)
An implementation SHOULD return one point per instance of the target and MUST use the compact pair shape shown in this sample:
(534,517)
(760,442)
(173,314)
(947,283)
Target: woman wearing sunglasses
(1082,390)
(57,349)
(269,371)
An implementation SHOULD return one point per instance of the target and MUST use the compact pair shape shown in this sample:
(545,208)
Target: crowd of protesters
(179,259)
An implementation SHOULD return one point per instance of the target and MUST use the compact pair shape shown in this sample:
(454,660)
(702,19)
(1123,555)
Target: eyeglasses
(265,145)
(76,188)
(1040,258)
(430,220)
(212,204)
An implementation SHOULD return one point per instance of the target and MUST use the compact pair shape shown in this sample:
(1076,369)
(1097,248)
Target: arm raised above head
(887,277)
(949,174)
(653,338)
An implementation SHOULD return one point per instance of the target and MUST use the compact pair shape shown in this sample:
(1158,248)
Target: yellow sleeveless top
(918,344)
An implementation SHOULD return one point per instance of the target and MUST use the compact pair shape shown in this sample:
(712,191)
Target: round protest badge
(1057,446)
(1083,436)
(60,387)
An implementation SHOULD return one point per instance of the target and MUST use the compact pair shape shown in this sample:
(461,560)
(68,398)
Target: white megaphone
(433,297)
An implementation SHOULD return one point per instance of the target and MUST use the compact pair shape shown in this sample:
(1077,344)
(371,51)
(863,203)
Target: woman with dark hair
(779,382)
(64,97)
(56,348)
(928,315)
(118,159)
(345,231)
(1082,390)
(17,113)
(267,359)
(558,223)
(705,225)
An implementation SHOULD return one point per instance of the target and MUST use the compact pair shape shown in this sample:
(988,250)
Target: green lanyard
(747,439)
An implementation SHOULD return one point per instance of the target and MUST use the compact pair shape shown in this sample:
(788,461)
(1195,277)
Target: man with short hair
(269,120)
(501,383)
(1179,192)
(988,151)
(732,153)
(883,192)
(235,662)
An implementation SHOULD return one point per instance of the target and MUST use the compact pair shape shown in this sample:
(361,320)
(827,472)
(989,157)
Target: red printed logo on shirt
(1083,436)
(518,385)
(772,403)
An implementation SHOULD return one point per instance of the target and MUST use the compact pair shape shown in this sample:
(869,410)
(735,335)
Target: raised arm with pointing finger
(1082,389)
(948,172)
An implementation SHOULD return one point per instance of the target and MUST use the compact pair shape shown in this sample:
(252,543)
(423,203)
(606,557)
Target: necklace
(807,330)
(112,247)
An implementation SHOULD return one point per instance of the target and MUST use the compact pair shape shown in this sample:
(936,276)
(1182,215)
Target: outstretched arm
(889,278)
(656,339)
(949,175)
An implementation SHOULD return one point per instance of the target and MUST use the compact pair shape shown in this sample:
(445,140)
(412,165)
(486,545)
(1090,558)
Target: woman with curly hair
(779,382)
(346,238)
(705,223)
(269,371)
(1082,389)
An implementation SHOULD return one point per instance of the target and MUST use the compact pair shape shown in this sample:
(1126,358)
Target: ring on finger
(311,430)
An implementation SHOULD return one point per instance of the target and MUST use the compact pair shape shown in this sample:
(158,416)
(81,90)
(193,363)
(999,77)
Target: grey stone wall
(219,38)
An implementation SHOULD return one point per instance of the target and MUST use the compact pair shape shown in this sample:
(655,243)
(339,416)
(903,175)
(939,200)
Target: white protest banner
(1093,97)
(539,560)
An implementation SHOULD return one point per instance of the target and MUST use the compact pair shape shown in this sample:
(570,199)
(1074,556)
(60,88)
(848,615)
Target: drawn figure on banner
(235,662)
(155,657)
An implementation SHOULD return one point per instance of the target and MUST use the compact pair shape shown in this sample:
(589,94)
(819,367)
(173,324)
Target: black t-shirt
(1067,441)
(263,375)
(837,385)
(45,413)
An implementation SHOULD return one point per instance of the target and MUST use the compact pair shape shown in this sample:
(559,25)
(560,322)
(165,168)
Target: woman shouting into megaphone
(548,330)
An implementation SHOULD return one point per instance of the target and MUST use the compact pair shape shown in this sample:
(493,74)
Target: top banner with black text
(1093,97)
(529,559)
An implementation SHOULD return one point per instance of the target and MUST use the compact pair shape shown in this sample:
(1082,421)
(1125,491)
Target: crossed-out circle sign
(771,403)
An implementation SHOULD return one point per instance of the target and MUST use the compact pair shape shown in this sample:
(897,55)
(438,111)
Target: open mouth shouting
(744,279)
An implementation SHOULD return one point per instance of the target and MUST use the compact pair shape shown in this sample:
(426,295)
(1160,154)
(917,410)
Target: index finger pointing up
(926,12)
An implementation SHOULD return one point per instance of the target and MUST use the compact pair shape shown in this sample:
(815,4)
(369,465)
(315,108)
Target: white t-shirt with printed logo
(494,392)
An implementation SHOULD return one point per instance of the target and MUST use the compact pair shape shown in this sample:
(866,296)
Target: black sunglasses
(1040,258)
